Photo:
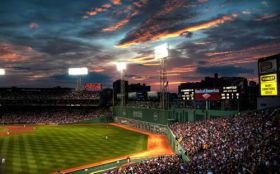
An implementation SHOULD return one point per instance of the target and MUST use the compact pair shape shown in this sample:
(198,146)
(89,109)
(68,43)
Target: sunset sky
(40,39)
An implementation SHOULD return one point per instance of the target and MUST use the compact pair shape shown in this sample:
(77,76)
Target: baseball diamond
(51,148)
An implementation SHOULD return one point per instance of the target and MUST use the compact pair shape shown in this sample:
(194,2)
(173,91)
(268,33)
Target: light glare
(161,51)
(2,72)
(78,71)
(121,66)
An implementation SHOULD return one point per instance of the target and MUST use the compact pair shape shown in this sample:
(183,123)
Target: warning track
(15,129)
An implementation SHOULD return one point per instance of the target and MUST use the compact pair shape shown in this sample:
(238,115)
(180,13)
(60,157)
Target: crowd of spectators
(247,143)
(50,115)
(51,93)
(50,96)
(163,164)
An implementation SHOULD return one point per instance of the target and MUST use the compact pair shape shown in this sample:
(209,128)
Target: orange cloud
(243,56)
(183,69)
(169,83)
(116,26)
(148,36)
(116,2)
(120,23)
(97,10)
(98,69)
(12,53)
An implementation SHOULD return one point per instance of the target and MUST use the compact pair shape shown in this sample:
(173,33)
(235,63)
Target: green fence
(166,117)
(98,120)
(156,116)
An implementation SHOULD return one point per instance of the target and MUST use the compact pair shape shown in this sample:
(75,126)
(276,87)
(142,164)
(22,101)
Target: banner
(207,94)
(93,86)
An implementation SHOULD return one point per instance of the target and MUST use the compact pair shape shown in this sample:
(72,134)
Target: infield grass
(52,148)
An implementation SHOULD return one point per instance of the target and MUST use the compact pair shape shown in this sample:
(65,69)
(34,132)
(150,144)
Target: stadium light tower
(161,54)
(2,72)
(121,67)
(79,72)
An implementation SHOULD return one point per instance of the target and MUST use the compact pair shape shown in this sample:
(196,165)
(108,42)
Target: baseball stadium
(139,87)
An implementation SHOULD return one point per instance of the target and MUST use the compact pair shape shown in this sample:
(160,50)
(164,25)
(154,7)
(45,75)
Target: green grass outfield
(50,148)
(2,129)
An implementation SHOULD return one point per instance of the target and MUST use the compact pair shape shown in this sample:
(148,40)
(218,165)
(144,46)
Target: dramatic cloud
(39,44)
(120,23)
(142,35)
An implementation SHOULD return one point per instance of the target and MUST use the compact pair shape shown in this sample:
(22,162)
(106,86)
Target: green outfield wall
(166,117)
(97,120)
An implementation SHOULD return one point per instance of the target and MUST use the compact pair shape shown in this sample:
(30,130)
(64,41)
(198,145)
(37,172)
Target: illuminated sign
(187,94)
(269,85)
(152,94)
(132,95)
(93,86)
(230,92)
(207,94)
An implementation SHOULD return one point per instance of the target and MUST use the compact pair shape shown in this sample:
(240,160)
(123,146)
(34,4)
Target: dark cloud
(92,77)
(39,40)
(225,70)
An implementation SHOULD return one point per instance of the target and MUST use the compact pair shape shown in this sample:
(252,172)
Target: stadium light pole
(2,73)
(161,54)
(79,72)
(121,67)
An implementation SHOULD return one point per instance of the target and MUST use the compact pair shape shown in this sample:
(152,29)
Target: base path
(157,146)
(16,129)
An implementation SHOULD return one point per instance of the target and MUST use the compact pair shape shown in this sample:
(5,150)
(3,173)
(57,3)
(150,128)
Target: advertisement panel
(207,94)
(93,86)
(269,85)
(268,66)
(132,95)
(152,94)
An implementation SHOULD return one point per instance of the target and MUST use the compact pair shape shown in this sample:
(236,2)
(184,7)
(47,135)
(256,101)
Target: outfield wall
(97,120)
(166,117)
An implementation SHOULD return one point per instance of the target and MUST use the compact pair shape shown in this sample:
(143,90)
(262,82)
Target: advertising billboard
(268,66)
(269,85)
(207,94)
(152,94)
(93,86)
(132,95)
